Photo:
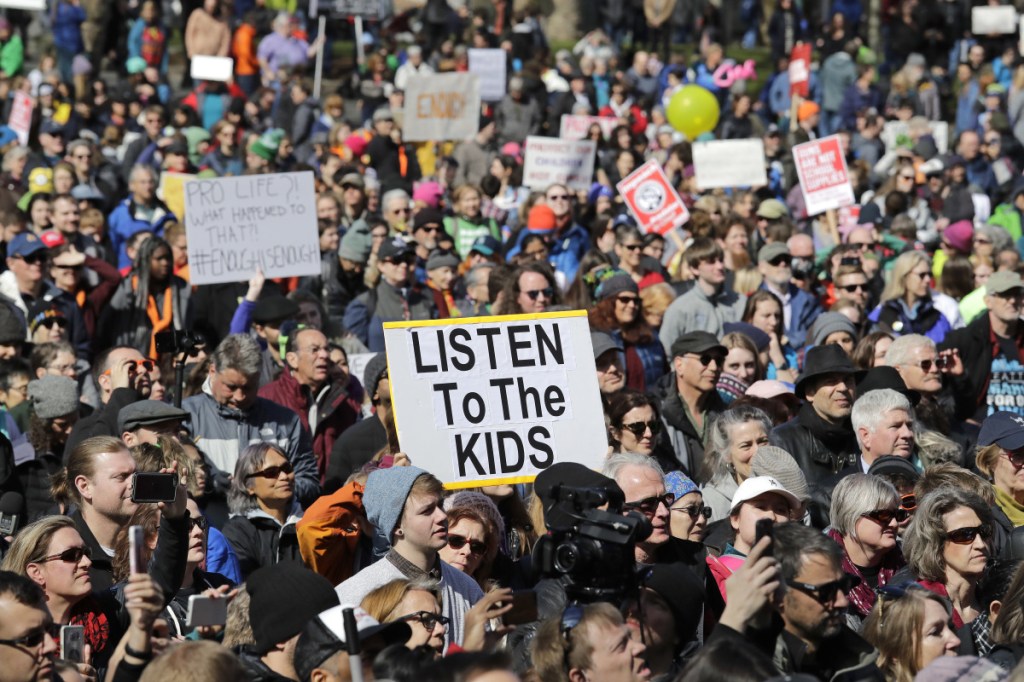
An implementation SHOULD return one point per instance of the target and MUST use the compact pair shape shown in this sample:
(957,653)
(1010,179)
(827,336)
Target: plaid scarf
(862,597)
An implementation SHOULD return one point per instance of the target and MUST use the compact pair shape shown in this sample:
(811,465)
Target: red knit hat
(540,219)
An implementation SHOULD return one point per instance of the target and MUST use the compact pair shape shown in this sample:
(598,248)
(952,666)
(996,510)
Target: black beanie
(282,599)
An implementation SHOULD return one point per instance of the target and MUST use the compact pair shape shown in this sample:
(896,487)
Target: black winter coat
(259,540)
(818,460)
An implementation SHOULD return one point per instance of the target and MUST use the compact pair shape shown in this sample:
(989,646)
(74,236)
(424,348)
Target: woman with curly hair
(618,313)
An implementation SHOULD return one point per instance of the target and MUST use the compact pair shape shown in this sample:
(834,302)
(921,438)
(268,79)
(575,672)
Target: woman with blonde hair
(908,304)
(654,301)
(910,628)
(416,602)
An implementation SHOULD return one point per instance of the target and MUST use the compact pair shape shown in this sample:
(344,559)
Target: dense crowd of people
(815,422)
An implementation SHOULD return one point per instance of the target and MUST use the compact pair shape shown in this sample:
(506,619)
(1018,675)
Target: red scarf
(862,597)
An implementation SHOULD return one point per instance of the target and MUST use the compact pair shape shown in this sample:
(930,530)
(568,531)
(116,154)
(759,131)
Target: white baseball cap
(759,485)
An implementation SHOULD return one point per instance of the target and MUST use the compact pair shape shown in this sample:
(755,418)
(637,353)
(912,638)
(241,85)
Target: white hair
(872,407)
(617,461)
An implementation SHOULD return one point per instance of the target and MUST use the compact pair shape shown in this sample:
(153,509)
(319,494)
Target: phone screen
(72,643)
(154,487)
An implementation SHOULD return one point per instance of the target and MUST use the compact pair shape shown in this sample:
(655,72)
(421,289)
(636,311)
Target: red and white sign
(800,70)
(824,180)
(20,120)
(577,127)
(652,199)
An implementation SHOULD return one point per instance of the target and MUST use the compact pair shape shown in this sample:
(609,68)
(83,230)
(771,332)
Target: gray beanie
(53,396)
(384,496)
(479,503)
(780,465)
(830,323)
(442,257)
(356,245)
(372,373)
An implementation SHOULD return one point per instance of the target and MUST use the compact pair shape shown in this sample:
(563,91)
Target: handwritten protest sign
(172,191)
(993,20)
(730,163)
(20,120)
(652,199)
(550,160)
(489,64)
(577,127)
(492,400)
(235,225)
(824,180)
(897,134)
(442,106)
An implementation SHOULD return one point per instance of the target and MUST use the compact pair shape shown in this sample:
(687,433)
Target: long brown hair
(602,317)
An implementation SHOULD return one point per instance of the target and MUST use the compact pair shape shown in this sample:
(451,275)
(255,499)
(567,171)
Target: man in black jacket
(820,437)
(992,350)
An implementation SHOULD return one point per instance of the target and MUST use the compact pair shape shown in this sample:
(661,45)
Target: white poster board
(441,106)
(730,163)
(235,225)
(824,179)
(20,120)
(489,64)
(30,5)
(989,20)
(496,400)
(892,130)
(575,127)
(550,160)
(206,68)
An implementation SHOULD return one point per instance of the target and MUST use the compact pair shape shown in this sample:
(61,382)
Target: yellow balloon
(692,111)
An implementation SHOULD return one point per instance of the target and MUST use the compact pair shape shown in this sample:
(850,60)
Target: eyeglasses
(850,288)
(429,228)
(649,505)
(400,210)
(826,593)
(706,358)
(1016,458)
(427,619)
(548,293)
(909,502)
(34,259)
(884,517)
(71,555)
(147,365)
(638,429)
(34,638)
(965,536)
(199,522)
(920,275)
(694,511)
(628,300)
(982,240)
(407,260)
(867,246)
(273,472)
(49,323)
(926,365)
(781,260)
(559,197)
(458,542)
(632,247)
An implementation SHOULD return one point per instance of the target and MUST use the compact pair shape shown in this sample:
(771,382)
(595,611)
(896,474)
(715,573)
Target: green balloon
(693,111)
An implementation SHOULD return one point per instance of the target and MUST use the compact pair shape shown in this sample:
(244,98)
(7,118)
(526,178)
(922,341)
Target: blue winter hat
(385,494)
(679,484)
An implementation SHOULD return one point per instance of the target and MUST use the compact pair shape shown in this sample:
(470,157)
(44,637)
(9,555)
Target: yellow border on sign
(411,324)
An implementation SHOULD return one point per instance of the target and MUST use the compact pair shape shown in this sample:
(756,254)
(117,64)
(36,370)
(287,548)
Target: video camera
(179,342)
(593,548)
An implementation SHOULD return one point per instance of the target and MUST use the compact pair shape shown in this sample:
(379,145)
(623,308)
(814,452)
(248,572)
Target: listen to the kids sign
(496,399)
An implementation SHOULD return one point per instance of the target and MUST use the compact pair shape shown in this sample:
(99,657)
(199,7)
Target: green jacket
(1007,217)
(12,55)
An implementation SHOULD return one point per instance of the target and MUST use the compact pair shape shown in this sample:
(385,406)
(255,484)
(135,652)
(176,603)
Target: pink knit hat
(959,235)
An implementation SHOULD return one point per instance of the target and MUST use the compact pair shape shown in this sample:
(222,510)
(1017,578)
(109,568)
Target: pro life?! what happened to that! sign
(492,400)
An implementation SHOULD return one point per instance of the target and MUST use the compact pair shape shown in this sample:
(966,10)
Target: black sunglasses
(548,292)
(428,619)
(706,358)
(884,517)
(694,511)
(34,258)
(781,260)
(649,505)
(273,472)
(826,593)
(965,536)
(199,522)
(51,321)
(458,542)
(850,288)
(638,429)
(72,555)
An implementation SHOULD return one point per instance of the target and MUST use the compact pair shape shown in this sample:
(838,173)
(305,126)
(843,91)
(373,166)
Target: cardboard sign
(892,131)
(730,163)
(577,127)
(235,225)
(652,199)
(20,120)
(550,160)
(489,64)
(824,180)
(206,68)
(496,400)
(993,20)
(172,191)
(800,70)
(442,106)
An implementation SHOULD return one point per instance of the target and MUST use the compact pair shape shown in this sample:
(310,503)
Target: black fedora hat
(822,360)
(884,376)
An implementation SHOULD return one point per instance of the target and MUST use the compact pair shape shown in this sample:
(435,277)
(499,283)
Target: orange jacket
(329,533)
(243,46)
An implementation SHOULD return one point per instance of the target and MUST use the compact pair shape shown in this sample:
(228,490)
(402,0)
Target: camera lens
(566,556)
